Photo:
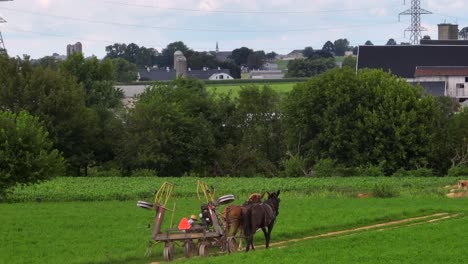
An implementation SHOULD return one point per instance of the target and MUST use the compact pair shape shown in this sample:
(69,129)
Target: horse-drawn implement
(195,239)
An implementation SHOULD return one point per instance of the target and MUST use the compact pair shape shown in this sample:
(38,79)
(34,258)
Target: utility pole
(2,44)
(415,29)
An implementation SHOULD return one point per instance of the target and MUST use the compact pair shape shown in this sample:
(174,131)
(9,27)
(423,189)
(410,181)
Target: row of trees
(142,57)
(369,119)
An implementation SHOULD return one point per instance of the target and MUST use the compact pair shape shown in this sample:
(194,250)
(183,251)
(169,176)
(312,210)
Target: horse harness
(267,213)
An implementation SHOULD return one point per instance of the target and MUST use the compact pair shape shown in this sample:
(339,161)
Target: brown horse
(232,215)
(262,216)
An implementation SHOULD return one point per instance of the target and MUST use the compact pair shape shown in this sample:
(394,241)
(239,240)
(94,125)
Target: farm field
(235,88)
(95,228)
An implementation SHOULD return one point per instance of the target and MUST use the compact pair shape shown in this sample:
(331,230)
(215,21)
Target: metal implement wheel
(203,250)
(188,249)
(168,253)
(231,244)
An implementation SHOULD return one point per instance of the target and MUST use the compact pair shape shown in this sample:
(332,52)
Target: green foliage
(324,168)
(144,173)
(361,119)
(241,55)
(421,172)
(372,171)
(309,68)
(350,61)
(293,166)
(308,52)
(329,47)
(170,129)
(26,153)
(391,42)
(341,46)
(116,232)
(124,71)
(384,191)
(133,54)
(256,60)
(96,77)
(457,171)
(133,188)
(100,171)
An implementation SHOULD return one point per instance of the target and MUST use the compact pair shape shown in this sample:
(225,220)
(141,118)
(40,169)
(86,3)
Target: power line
(269,12)
(76,37)
(2,44)
(189,29)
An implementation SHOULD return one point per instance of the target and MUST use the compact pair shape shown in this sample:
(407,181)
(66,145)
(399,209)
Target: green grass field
(119,188)
(282,64)
(234,89)
(97,231)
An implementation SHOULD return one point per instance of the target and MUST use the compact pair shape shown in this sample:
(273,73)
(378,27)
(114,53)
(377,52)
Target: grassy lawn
(101,223)
(116,232)
(282,64)
(439,242)
(234,89)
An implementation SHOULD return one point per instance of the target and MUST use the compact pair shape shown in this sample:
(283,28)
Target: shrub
(144,173)
(421,172)
(373,171)
(384,191)
(294,166)
(103,172)
(457,171)
(325,168)
(26,153)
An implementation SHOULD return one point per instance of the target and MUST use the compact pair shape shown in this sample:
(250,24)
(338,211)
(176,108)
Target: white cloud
(322,20)
(43,3)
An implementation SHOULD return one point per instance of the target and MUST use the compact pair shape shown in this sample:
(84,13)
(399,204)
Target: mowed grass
(116,231)
(233,90)
(439,242)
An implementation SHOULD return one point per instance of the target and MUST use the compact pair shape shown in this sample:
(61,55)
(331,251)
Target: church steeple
(217,48)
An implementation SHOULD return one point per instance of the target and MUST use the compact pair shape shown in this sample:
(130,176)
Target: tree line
(70,121)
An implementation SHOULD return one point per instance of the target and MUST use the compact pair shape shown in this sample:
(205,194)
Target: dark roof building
(403,60)
(425,71)
(222,56)
(443,42)
(167,75)
(432,88)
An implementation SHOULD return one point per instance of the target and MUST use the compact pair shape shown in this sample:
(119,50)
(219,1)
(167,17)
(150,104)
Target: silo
(448,31)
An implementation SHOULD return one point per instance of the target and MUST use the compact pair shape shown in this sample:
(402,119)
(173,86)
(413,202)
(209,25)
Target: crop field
(96,220)
(234,89)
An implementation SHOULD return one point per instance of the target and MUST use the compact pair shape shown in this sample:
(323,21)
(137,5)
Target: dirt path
(378,227)
(383,226)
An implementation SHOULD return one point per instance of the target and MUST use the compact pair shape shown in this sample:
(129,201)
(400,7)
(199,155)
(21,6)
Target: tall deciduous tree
(256,60)
(58,100)
(240,56)
(329,47)
(391,42)
(350,61)
(167,54)
(169,130)
(27,154)
(341,46)
(308,52)
(368,118)
(369,43)
(124,70)
(309,68)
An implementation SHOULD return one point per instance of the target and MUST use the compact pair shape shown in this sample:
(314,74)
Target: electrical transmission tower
(415,29)
(2,44)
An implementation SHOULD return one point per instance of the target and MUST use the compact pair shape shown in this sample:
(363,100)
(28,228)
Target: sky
(42,27)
